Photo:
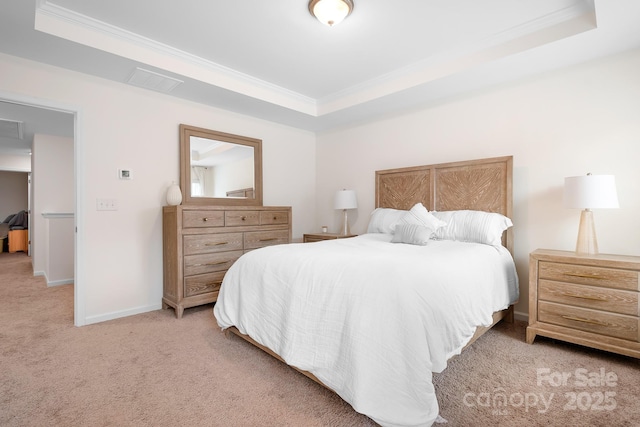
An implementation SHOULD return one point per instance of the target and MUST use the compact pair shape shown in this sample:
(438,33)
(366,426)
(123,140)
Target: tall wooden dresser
(591,300)
(200,243)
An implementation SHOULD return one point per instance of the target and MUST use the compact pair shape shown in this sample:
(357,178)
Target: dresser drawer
(237,218)
(274,217)
(259,239)
(209,243)
(209,263)
(203,218)
(588,275)
(613,300)
(203,283)
(599,322)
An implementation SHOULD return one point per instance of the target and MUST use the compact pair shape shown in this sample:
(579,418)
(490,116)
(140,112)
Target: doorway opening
(60,122)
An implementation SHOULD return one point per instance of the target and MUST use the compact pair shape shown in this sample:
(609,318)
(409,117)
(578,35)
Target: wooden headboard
(482,185)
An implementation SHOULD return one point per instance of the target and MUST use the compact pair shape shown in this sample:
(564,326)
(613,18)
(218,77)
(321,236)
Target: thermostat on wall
(124,173)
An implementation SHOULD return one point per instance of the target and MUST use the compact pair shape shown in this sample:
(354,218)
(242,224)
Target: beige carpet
(155,370)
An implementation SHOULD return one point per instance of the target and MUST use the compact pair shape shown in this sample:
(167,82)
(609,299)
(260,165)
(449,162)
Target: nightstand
(591,300)
(316,237)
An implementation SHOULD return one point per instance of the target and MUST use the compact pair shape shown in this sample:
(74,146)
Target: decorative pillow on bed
(472,226)
(413,234)
(384,220)
(419,215)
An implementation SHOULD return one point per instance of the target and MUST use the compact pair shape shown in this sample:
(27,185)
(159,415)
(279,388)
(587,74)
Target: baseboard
(51,283)
(518,315)
(59,282)
(124,313)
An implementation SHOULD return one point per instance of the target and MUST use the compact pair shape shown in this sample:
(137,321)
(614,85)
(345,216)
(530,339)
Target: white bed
(420,305)
(371,319)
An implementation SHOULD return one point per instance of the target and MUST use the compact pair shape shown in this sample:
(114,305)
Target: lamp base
(587,242)
(345,224)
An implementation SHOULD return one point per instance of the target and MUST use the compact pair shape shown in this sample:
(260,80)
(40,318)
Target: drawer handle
(584,320)
(243,218)
(589,297)
(205,219)
(275,218)
(584,276)
(216,244)
(269,239)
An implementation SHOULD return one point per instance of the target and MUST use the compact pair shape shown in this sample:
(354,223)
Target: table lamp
(345,199)
(589,192)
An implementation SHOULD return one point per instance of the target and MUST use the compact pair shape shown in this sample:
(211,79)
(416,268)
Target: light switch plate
(106,204)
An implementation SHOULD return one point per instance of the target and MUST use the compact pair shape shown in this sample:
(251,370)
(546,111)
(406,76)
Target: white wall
(59,243)
(52,191)
(570,122)
(122,126)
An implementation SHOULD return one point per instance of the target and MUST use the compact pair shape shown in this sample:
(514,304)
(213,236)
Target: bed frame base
(506,314)
(233,330)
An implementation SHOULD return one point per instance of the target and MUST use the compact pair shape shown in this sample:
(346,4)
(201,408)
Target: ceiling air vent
(11,129)
(152,80)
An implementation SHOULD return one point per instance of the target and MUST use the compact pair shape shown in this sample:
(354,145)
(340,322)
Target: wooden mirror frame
(186,132)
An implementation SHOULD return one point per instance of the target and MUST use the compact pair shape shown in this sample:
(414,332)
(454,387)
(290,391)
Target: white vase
(174,195)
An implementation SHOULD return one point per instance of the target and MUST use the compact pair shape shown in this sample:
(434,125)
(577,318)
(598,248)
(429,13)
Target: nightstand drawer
(599,322)
(613,300)
(318,237)
(589,275)
(314,238)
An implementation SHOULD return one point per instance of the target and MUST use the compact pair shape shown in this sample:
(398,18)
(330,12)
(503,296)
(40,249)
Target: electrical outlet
(106,204)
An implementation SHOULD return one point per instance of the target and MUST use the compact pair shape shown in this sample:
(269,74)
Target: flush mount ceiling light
(330,12)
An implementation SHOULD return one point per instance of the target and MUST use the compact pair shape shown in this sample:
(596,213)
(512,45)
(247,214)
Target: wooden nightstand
(316,237)
(586,300)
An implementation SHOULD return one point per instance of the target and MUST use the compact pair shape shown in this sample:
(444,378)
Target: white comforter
(369,318)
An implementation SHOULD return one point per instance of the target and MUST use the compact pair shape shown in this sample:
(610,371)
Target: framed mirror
(218,168)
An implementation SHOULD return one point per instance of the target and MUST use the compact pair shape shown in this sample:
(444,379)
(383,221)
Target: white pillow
(384,220)
(413,234)
(419,215)
(472,226)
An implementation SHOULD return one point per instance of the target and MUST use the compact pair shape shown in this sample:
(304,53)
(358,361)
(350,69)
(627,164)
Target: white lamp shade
(590,192)
(345,199)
